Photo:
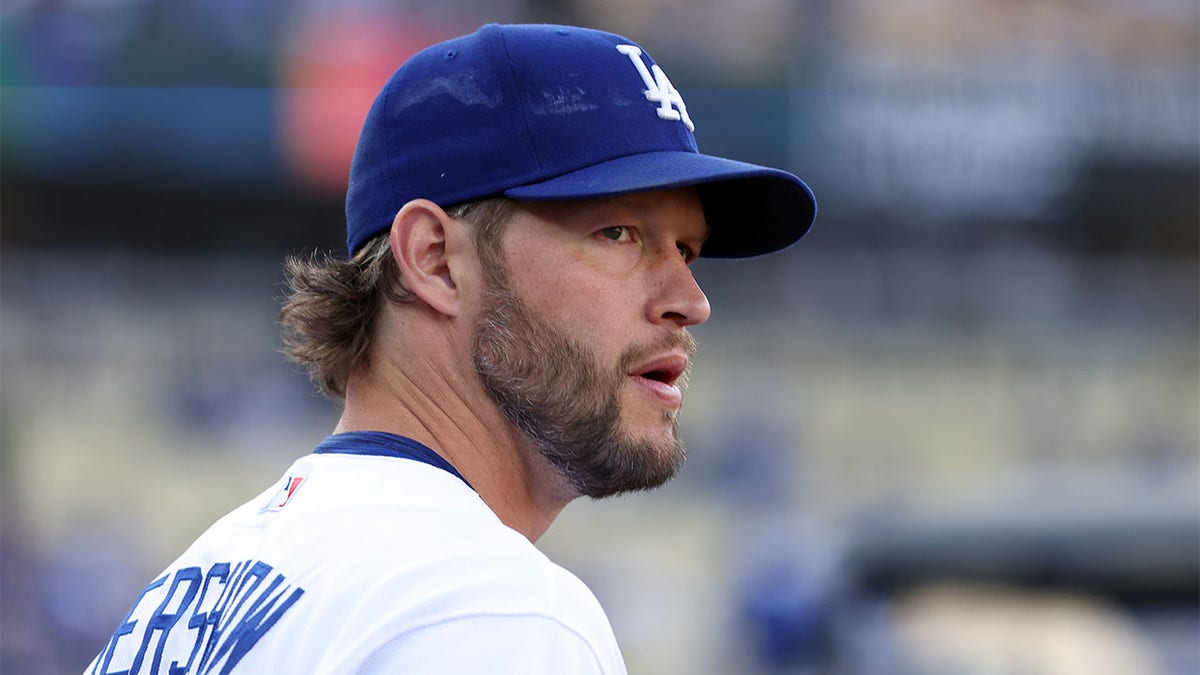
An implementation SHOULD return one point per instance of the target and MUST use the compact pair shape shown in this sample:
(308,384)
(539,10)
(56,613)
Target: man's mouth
(660,376)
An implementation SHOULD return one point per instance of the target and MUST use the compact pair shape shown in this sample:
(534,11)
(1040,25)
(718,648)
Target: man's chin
(636,466)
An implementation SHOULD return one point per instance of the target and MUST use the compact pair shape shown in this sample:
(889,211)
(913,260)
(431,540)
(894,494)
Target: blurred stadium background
(955,431)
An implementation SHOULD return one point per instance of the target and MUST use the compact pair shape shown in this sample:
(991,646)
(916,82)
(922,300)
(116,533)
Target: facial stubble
(556,393)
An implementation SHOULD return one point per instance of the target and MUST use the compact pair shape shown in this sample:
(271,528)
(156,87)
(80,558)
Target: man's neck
(450,413)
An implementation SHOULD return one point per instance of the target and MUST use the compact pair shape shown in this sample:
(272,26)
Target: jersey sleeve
(517,644)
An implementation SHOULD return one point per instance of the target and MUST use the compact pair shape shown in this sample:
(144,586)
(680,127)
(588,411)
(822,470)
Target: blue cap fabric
(541,112)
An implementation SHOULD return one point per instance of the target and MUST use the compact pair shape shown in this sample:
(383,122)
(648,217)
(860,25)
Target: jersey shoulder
(399,548)
(349,559)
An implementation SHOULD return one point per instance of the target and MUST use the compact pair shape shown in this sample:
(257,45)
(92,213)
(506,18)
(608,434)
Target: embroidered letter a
(659,88)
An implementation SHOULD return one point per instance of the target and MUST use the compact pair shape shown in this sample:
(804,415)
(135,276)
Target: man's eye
(686,252)
(616,233)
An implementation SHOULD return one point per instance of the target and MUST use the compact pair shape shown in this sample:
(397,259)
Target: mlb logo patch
(291,485)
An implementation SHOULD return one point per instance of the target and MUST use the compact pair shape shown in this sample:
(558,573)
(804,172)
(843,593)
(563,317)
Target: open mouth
(664,376)
(665,369)
(661,376)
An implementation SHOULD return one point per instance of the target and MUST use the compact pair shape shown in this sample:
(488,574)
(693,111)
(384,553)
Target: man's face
(581,339)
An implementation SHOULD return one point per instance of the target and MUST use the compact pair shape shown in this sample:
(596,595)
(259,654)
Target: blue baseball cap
(544,112)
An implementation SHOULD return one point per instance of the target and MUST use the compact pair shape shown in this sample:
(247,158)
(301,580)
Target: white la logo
(659,88)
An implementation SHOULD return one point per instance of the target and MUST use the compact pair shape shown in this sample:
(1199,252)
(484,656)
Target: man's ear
(432,249)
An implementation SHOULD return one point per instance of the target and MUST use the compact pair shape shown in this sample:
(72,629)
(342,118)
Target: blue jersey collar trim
(383,444)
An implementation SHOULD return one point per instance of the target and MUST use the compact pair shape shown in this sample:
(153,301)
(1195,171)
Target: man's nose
(678,299)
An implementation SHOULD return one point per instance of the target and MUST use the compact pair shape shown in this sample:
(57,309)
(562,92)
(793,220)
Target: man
(509,333)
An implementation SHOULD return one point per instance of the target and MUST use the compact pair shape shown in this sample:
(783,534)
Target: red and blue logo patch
(291,485)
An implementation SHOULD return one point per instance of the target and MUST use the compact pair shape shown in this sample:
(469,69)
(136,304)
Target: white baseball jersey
(371,555)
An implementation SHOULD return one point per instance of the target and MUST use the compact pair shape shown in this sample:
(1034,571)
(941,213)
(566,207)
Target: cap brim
(750,209)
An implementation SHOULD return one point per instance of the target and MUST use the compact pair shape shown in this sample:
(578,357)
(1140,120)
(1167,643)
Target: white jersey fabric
(371,555)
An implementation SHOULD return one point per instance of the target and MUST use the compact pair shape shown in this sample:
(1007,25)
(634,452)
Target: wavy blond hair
(330,303)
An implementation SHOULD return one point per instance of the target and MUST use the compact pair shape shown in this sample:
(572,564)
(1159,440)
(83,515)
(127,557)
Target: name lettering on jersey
(658,88)
(229,609)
